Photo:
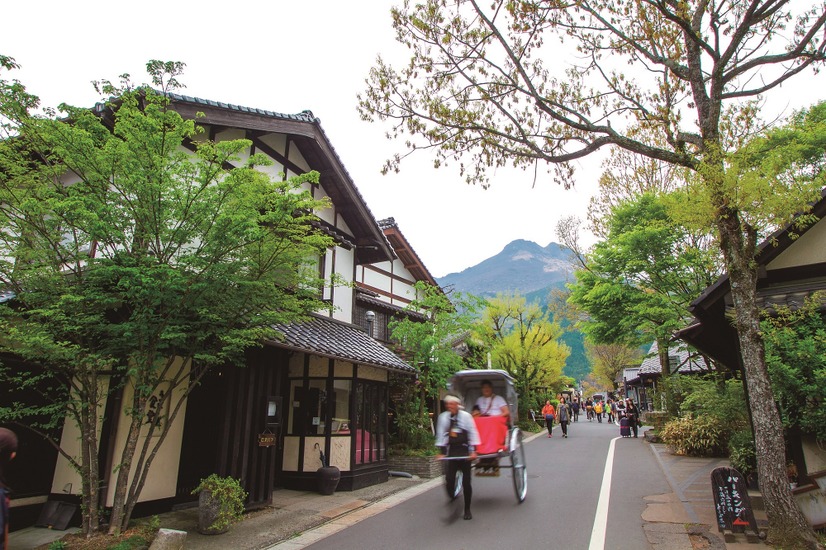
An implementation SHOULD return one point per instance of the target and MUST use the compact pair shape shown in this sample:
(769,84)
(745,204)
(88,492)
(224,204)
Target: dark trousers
(611,418)
(576,415)
(549,423)
(599,417)
(633,421)
(564,425)
(450,479)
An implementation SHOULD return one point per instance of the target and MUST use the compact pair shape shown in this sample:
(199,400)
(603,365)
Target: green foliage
(637,284)
(230,496)
(57,545)
(428,344)
(695,436)
(723,400)
(135,542)
(130,255)
(525,343)
(742,454)
(796,357)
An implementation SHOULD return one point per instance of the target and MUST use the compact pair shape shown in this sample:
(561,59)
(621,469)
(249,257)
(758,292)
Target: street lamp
(370,316)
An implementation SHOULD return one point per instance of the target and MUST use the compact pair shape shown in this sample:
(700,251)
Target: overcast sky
(288,56)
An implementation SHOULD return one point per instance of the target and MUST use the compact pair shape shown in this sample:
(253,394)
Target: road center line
(601,517)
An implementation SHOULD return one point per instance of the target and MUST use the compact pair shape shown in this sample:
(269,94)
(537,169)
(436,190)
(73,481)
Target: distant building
(641,383)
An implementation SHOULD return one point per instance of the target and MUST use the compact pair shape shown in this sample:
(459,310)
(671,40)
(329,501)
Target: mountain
(522,266)
(532,271)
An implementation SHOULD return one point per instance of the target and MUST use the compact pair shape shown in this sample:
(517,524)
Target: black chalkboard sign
(731,499)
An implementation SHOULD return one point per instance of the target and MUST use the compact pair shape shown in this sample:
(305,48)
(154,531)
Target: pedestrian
(632,413)
(575,409)
(457,436)
(598,411)
(8,450)
(562,416)
(589,410)
(609,411)
(548,413)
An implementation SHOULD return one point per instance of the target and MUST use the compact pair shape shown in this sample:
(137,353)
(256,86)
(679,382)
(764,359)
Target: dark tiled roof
(688,364)
(331,338)
(381,304)
(303,116)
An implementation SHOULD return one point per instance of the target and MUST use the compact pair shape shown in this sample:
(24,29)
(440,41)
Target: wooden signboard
(732,502)
(266,439)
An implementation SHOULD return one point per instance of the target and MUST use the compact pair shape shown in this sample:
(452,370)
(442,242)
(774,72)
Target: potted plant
(327,476)
(220,504)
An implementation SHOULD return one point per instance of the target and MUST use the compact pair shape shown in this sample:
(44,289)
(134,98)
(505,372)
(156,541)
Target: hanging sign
(266,439)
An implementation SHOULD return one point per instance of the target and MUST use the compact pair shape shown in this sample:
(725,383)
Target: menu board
(732,502)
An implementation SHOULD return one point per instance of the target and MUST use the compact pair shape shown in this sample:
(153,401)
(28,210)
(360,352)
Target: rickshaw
(467,384)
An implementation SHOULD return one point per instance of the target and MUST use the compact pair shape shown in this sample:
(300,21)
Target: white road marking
(601,517)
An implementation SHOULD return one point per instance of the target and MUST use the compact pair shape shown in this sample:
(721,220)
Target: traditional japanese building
(320,388)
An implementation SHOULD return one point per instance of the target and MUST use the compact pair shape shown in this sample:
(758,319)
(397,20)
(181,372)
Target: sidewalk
(685,519)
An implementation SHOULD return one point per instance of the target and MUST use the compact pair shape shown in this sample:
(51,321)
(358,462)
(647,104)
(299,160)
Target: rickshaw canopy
(467,384)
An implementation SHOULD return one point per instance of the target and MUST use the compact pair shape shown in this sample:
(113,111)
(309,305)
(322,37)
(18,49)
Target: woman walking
(548,413)
(562,416)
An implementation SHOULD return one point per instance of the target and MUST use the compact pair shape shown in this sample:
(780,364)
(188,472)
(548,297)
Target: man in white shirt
(489,403)
(457,436)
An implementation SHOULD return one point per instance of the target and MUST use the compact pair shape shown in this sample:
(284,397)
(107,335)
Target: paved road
(564,480)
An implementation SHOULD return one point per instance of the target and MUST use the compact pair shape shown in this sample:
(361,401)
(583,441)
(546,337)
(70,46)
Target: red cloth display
(493,431)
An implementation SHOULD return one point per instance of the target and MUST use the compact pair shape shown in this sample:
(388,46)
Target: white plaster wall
(319,366)
(327,214)
(163,475)
(809,248)
(343,297)
(297,158)
(64,474)
(377,280)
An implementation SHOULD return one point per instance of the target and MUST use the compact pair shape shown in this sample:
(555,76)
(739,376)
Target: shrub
(701,436)
(742,454)
(228,492)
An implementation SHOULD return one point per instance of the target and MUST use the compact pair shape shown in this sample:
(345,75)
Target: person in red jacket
(8,450)
(548,412)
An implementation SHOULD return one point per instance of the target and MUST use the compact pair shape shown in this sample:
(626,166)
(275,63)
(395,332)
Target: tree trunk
(116,525)
(787,525)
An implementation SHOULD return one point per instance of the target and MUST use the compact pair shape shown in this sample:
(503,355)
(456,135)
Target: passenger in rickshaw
(456,435)
(493,431)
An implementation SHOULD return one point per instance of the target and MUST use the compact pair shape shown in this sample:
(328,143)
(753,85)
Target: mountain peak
(522,266)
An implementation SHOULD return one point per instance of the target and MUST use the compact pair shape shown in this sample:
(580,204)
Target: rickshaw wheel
(456,490)
(520,471)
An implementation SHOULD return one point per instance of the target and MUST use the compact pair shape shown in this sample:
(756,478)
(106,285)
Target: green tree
(796,355)
(525,343)
(429,344)
(136,265)
(609,360)
(638,283)
(678,82)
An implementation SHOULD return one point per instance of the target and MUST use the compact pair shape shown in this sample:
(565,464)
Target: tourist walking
(598,411)
(563,416)
(609,411)
(575,410)
(589,410)
(548,412)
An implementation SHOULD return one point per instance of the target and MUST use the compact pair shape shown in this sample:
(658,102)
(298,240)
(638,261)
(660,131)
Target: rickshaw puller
(457,436)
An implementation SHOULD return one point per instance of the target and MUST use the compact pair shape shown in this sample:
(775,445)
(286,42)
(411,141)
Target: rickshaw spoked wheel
(519,470)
